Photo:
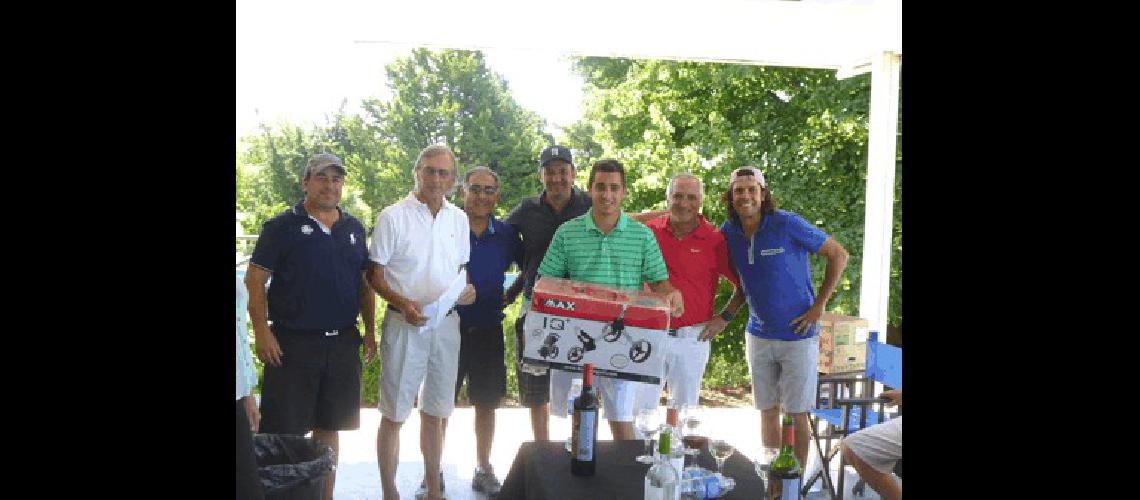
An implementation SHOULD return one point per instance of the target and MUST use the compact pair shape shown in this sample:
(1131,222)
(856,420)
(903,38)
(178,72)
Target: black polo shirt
(316,276)
(536,222)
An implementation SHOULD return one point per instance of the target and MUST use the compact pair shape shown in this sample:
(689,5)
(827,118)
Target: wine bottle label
(584,435)
(789,489)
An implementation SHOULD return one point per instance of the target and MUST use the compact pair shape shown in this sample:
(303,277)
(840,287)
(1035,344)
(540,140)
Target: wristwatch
(727,316)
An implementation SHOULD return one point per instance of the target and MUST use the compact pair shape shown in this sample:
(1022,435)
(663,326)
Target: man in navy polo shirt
(494,246)
(317,256)
(771,250)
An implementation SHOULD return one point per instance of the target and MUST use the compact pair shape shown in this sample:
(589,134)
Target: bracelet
(727,316)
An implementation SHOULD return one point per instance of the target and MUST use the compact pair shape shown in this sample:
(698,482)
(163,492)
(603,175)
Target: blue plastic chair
(843,413)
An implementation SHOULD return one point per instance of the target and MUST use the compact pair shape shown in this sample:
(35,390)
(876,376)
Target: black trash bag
(292,467)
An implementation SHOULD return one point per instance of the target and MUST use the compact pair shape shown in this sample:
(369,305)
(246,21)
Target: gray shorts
(879,445)
(784,372)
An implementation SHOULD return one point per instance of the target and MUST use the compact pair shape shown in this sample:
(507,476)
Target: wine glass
(648,423)
(691,422)
(761,468)
(720,450)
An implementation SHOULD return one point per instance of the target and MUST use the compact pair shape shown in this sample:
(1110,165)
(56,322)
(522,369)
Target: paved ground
(359,479)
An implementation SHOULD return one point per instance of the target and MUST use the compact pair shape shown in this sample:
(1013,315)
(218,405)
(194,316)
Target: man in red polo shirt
(695,255)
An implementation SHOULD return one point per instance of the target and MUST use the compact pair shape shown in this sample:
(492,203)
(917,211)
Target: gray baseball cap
(320,161)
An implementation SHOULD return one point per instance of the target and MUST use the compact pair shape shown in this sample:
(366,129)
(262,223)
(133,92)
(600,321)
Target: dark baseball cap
(552,153)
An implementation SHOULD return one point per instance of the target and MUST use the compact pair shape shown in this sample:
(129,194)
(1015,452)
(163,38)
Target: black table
(541,470)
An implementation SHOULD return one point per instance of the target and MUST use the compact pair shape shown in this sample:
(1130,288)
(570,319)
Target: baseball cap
(320,161)
(552,153)
(755,173)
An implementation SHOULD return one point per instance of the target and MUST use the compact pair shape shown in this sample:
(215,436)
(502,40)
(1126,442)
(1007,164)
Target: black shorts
(481,364)
(317,385)
(534,390)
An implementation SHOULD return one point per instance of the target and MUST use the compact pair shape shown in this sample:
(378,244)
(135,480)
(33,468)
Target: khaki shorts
(879,445)
(617,395)
(784,372)
(412,360)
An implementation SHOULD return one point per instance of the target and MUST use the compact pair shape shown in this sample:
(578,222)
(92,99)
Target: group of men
(441,270)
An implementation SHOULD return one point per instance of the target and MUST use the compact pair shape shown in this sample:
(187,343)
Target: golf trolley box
(572,323)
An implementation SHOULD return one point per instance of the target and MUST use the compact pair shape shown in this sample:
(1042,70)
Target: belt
(676,332)
(327,333)
(393,308)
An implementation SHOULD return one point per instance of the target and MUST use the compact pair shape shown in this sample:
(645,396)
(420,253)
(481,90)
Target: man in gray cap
(317,255)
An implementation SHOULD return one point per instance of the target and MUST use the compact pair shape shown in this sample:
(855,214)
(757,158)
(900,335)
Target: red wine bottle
(585,427)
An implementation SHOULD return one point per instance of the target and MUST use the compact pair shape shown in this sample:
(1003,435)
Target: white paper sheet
(437,310)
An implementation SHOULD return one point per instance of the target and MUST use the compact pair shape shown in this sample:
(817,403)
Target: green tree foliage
(452,97)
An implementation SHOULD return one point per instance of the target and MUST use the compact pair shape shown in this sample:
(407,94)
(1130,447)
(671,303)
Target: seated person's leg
(873,452)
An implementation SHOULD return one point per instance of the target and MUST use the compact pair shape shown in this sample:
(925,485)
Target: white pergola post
(874,291)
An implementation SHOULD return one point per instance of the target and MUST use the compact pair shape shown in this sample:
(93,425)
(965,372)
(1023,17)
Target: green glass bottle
(784,474)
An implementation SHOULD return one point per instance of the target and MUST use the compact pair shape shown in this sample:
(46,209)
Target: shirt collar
(621,222)
(299,210)
(733,224)
(415,202)
(576,196)
(702,231)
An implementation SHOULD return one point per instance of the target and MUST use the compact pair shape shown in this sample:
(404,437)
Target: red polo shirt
(694,262)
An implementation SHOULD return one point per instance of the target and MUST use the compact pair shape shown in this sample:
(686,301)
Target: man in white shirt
(420,245)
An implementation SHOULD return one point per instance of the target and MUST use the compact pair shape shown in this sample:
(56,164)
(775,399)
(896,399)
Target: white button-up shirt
(421,255)
(246,373)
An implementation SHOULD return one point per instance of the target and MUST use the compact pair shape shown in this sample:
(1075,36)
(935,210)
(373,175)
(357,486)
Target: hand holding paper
(437,310)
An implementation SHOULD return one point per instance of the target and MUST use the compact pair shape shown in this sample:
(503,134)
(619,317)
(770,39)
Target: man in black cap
(317,256)
(536,218)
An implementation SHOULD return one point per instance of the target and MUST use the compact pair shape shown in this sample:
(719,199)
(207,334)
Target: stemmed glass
(720,450)
(690,420)
(648,423)
(761,464)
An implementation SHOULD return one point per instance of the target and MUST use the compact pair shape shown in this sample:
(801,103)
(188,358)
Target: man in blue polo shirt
(771,250)
(494,246)
(317,256)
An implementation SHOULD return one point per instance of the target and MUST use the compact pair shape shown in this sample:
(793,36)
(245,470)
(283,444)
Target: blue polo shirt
(775,271)
(316,276)
(491,255)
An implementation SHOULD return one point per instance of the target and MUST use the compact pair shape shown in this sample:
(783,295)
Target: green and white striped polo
(625,258)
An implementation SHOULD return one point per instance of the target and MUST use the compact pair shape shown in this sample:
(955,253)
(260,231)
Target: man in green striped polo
(606,247)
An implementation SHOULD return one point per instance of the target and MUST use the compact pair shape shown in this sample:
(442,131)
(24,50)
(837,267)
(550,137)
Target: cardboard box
(842,343)
(571,323)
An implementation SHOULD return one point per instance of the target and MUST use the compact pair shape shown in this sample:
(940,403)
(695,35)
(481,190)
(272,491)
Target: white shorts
(684,367)
(411,360)
(617,395)
(879,445)
(784,372)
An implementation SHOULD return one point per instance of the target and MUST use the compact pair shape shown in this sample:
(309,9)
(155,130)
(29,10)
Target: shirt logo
(772,251)
(695,250)
(351,239)
(307,229)
(560,304)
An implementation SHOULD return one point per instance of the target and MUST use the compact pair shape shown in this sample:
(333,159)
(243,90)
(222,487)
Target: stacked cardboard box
(842,343)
